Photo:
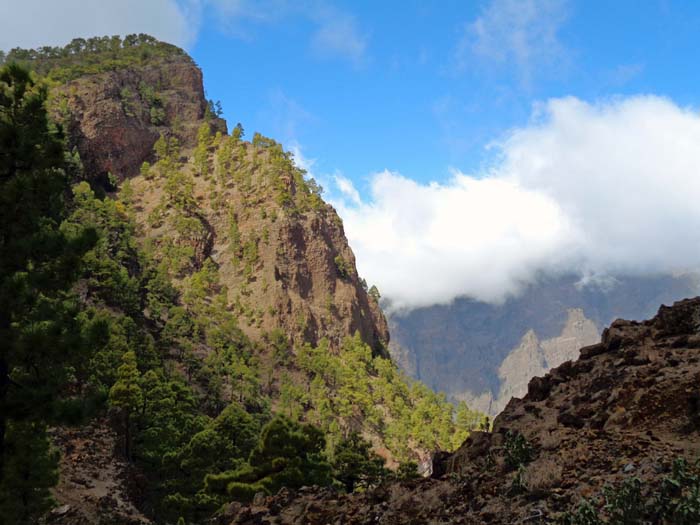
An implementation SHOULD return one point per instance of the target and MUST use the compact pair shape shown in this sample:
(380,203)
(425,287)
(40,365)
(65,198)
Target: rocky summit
(603,436)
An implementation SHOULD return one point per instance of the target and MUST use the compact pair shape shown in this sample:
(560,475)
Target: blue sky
(469,146)
(417,94)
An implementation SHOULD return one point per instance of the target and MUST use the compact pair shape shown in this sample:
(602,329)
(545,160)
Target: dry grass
(543,474)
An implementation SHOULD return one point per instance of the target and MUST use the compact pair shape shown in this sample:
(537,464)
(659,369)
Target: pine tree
(127,395)
(39,261)
(30,470)
(355,464)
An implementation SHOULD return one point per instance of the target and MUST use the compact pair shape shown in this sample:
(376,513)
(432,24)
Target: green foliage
(29,471)
(146,170)
(288,454)
(153,102)
(585,514)
(353,385)
(201,152)
(157,116)
(167,149)
(39,262)
(465,421)
(94,55)
(109,268)
(213,109)
(127,99)
(407,471)
(126,394)
(624,504)
(152,332)
(518,451)
(676,500)
(343,267)
(221,446)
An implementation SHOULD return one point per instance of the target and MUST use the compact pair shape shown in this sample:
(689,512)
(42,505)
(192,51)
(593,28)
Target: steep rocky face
(282,269)
(624,411)
(294,283)
(484,354)
(114,118)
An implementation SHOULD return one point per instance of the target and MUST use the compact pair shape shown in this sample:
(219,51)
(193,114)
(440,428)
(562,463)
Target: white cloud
(238,17)
(301,161)
(338,35)
(599,189)
(516,33)
(347,189)
(34,23)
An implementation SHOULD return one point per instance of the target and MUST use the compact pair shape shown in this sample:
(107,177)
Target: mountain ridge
(437,344)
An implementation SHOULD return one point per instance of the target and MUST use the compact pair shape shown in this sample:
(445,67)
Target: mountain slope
(219,310)
(625,416)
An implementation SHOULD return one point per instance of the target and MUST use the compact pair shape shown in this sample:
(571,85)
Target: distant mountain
(485,354)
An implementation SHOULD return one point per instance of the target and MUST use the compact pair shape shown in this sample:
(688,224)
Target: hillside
(218,339)
(505,345)
(609,438)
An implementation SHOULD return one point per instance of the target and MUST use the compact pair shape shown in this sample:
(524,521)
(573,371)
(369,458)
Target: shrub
(342,266)
(518,450)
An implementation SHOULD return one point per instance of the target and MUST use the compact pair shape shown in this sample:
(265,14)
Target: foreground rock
(626,409)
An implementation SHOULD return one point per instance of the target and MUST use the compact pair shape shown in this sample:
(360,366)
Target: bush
(518,450)
(342,266)
(676,501)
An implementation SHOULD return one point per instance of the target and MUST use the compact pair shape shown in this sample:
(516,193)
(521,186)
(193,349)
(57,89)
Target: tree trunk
(127,437)
(4,385)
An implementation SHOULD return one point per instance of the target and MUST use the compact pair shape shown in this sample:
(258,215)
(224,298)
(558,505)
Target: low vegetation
(675,501)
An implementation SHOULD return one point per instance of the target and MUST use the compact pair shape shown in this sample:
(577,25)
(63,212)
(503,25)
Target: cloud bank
(595,188)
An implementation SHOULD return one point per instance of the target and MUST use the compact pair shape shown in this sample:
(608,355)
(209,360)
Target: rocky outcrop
(627,408)
(114,118)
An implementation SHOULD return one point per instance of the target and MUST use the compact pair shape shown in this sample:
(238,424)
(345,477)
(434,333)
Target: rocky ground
(96,486)
(626,409)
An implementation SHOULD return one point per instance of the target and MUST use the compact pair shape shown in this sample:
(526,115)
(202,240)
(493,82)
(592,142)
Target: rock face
(281,268)
(294,283)
(627,408)
(533,357)
(484,354)
(114,118)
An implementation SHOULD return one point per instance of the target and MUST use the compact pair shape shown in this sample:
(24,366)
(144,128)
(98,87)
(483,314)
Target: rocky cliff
(624,416)
(114,119)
